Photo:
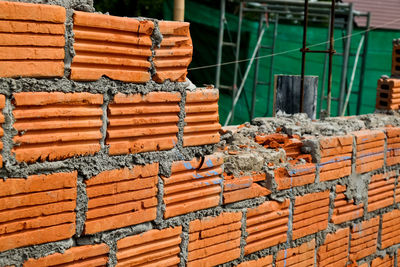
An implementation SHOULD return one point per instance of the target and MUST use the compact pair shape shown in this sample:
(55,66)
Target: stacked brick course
(108,157)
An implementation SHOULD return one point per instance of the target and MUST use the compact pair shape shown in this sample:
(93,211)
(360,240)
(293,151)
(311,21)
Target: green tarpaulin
(204,30)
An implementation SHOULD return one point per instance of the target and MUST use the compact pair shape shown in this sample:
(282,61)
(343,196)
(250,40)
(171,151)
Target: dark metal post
(363,65)
(271,68)
(220,41)
(325,72)
(303,54)
(236,69)
(331,52)
(256,67)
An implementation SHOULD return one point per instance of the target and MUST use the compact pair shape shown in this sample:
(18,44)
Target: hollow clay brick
(54,126)
(310,214)
(192,187)
(214,240)
(90,255)
(121,197)
(154,247)
(116,47)
(37,210)
(142,123)
(174,55)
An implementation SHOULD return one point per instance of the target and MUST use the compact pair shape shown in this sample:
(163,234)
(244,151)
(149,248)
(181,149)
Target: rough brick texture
(262,262)
(386,261)
(310,214)
(370,150)
(152,248)
(32,40)
(113,46)
(90,255)
(393,145)
(381,191)
(388,94)
(390,234)
(175,52)
(266,225)
(37,210)
(364,239)
(193,187)
(345,210)
(334,251)
(202,120)
(302,256)
(214,240)
(396,59)
(299,175)
(54,126)
(336,153)
(141,123)
(122,197)
(244,187)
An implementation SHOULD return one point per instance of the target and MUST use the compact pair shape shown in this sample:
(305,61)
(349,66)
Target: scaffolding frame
(277,10)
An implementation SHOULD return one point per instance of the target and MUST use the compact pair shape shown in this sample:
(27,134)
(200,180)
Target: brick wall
(109,158)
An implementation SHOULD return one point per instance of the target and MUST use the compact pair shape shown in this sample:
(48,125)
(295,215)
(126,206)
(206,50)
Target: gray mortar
(81,206)
(101,86)
(186,218)
(16,257)
(82,5)
(244,235)
(9,133)
(184,245)
(160,201)
(104,119)
(156,38)
(357,188)
(69,43)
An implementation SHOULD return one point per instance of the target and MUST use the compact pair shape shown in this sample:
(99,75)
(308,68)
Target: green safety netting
(204,30)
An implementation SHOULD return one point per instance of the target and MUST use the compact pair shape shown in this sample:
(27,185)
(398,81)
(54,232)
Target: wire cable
(296,49)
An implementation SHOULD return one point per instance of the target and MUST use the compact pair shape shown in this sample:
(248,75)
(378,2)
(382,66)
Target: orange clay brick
(310,214)
(54,126)
(393,146)
(214,240)
(364,239)
(295,176)
(345,210)
(37,210)
(121,197)
(390,234)
(334,251)
(90,255)
(336,153)
(174,55)
(261,262)
(302,256)
(381,191)
(152,248)
(32,40)
(386,261)
(370,149)
(113,46)
(142,123)
(191,188)
(2,120)
(202,120)
(266,225)
(245,187)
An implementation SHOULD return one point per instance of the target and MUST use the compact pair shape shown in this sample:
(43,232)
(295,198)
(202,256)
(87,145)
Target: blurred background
(283,31)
